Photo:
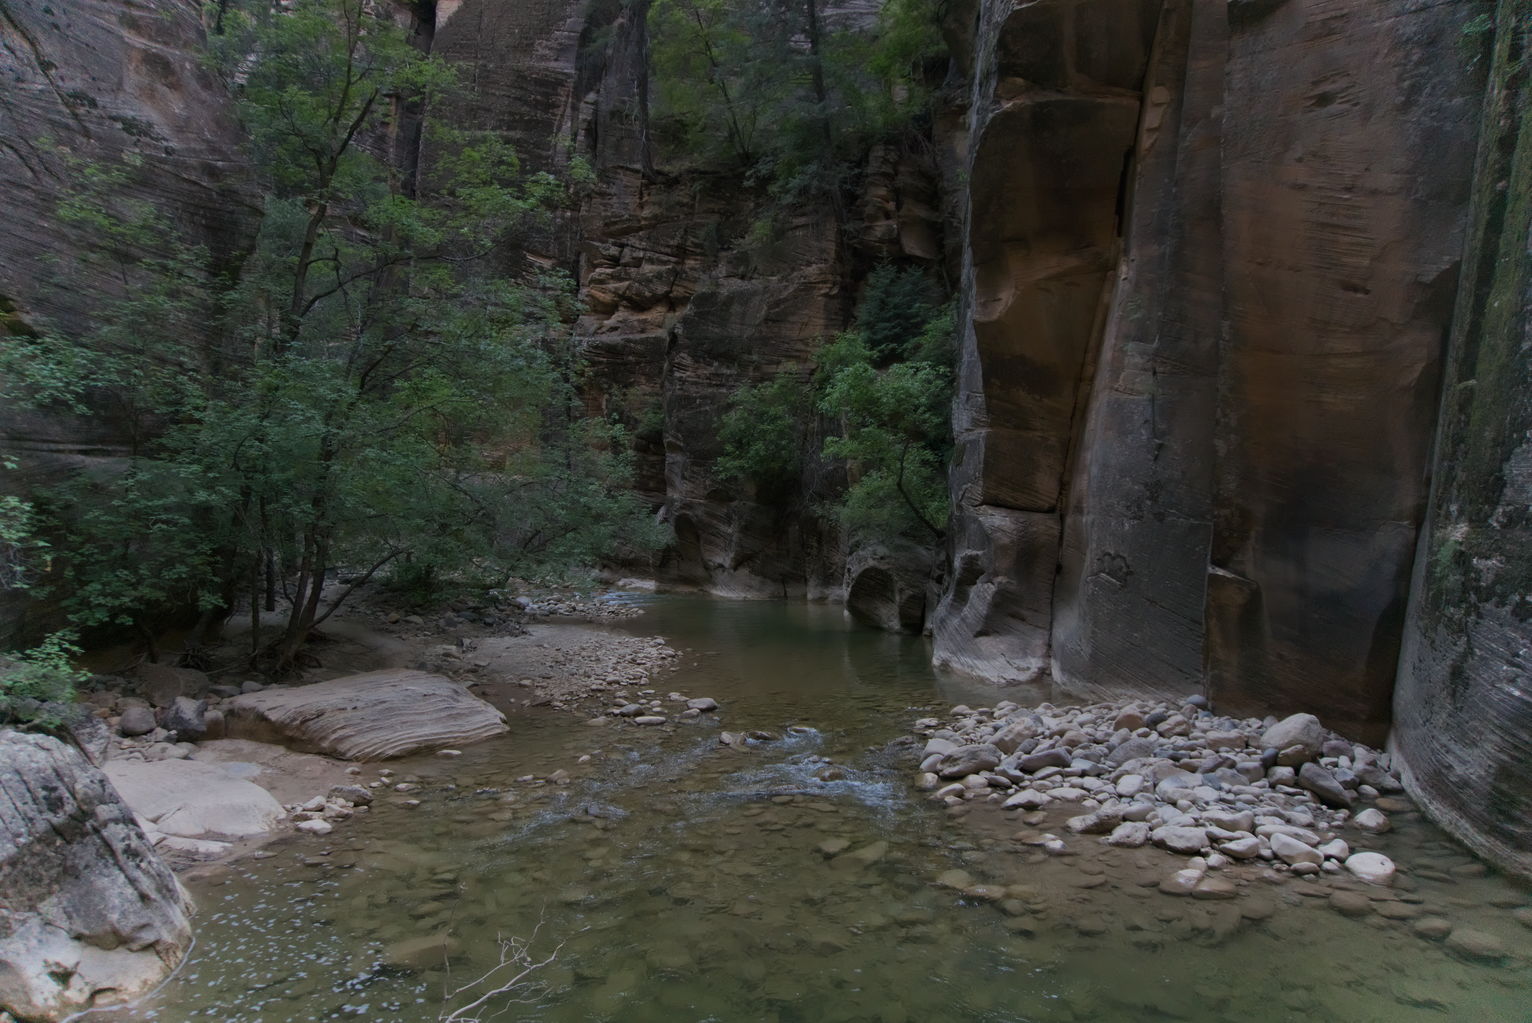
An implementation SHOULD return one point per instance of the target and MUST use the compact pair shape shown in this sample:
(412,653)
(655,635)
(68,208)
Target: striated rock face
(90,915)
(1344,186)
(1054,107)
(1204,341)
(93,80)
(89,81)
(677,316)
(373,716)
(683,310)
(1463,711)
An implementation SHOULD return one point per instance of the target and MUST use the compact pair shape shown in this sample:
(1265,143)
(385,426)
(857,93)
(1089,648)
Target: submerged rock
(1474,944)
(90,914)
(1372,820)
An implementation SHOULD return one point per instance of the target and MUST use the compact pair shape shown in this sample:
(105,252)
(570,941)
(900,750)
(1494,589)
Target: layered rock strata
(1463,710)
(1054,108)
(90,82)
(373,716)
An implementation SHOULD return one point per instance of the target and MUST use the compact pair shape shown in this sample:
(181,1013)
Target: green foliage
(138,362)
(889,407)
(44,673)
(788,93)
(895,440)
(33,678)
(20,546)
(763,435)
(374,388)
(895,307)
(141,557)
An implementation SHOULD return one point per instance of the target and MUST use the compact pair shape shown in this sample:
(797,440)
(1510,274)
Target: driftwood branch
(515,954)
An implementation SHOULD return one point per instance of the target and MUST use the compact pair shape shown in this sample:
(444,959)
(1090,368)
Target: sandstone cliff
(93,81)
(679,309)
(1463,711)
(1199,401)
(1202,357)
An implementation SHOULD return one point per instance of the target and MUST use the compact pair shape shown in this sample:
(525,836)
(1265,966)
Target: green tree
(887,411)
(896,305)
(379,389)
(786,91)
(30,679)
(895,440)
(763,433)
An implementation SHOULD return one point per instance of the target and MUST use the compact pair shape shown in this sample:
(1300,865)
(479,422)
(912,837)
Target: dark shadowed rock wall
(1345,184)
(1139,515)
(1463,708)
(680,310)
(1199,383)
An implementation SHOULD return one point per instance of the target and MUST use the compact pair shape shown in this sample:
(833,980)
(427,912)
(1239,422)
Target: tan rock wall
(1052,121)
(1198,384)
(90,81)
(1347,142)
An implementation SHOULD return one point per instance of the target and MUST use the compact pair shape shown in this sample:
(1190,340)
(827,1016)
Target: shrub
(32,679)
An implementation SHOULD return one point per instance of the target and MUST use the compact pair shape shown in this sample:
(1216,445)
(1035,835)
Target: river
(677,879)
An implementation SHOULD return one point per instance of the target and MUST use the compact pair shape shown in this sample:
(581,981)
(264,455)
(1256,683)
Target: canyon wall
(1209,256)
(1463,710)
(680,309)
(93,81)
(1211,253)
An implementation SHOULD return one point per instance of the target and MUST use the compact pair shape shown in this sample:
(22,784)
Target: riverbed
(789,877)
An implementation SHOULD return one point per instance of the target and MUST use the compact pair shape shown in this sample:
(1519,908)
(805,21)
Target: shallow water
(678,879)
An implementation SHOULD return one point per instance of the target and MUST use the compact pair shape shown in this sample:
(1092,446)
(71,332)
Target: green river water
(681,880)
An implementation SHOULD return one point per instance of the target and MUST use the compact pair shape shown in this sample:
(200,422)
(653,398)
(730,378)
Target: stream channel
(683,880)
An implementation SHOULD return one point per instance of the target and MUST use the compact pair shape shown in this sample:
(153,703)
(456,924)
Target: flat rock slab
(289,776)
(192,799)
(374,716)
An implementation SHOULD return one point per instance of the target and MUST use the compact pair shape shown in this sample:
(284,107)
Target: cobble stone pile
(1287,796)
